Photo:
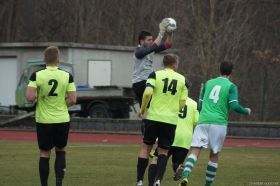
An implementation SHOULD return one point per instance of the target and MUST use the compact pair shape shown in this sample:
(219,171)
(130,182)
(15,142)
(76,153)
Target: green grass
(106,165)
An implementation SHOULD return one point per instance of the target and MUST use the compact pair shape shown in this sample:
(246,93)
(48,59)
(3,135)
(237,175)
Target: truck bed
(104,91)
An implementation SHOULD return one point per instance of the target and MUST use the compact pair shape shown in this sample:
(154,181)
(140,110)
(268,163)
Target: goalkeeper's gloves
(163,27)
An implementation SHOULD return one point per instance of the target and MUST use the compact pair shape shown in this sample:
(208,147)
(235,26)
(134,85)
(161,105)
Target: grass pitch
(106,165)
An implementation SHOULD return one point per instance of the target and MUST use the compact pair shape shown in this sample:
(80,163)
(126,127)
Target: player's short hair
(142,35)
(226,68)
(170,59)
(51,54)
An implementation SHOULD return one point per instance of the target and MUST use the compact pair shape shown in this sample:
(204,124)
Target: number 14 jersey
(215,98)
(169,87)
(52,85)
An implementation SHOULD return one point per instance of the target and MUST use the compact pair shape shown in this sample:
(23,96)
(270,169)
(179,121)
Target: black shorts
(52,135)
(165,133)
(139,89)
(178,154)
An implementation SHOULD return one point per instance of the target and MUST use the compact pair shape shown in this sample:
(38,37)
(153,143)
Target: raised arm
(141,52)
(166,44)
(157,45)
(162,29)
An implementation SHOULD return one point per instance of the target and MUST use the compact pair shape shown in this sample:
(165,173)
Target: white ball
(172,25)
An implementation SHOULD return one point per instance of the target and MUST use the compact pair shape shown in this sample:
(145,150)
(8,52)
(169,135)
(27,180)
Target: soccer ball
(172,25)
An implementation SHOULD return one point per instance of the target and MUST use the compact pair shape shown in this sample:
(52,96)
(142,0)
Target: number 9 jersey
(169,87)
(52,85)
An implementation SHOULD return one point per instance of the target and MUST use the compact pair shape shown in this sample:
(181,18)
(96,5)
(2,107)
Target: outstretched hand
(249,111)
(163,26)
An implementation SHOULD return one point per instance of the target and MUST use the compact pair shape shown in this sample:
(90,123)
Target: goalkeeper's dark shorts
(139,89)
(52,135)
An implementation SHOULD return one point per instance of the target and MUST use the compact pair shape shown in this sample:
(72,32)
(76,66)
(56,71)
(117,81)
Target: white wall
(99,73)
(8,80)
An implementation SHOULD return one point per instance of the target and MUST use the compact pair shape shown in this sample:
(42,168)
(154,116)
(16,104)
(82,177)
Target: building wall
(121,64)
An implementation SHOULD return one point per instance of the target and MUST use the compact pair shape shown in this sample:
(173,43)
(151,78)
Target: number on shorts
(54,84)
(172,87)
(214,94)
(183,113)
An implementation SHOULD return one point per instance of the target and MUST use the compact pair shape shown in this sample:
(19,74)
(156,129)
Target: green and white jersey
(188,118)
(169,87)
(52,85)
(216,96)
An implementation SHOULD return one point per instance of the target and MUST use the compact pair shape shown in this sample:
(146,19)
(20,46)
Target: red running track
(131,139)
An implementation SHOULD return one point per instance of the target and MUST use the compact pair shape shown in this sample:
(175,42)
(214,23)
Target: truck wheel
(99,111)
(121,114)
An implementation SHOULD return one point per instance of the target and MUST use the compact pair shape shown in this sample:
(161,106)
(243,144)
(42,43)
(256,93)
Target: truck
(94,102)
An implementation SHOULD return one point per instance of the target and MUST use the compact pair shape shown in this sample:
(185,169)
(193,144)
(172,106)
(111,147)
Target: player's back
(169,89)
(52,84)
(188,118)
(189,113)
(215,106)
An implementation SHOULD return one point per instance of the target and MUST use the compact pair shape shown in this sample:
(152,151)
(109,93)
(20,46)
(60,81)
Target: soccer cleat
(139,183)
(157,183)
(184,182)
(179,172)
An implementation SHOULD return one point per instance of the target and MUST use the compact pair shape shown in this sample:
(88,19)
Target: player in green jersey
(169,92)
(218,96)
(54,90)
(188,118)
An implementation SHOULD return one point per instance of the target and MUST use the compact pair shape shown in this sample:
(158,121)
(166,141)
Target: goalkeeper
(143,56)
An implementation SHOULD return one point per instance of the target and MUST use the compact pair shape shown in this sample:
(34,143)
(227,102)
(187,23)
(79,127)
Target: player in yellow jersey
(188,118)
(54,90)
(169,92)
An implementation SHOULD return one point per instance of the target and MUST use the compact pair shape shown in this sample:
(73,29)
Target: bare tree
(209,31)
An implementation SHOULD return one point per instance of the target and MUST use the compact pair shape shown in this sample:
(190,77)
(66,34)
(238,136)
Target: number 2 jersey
(215,98)
(169,87)
(52,85)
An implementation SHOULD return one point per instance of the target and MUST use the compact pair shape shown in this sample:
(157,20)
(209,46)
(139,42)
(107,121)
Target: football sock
(141,167)
(44,170)
(60,165)
(175,166)
(161,166)
(211,172)
(152,174)
(189,165)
